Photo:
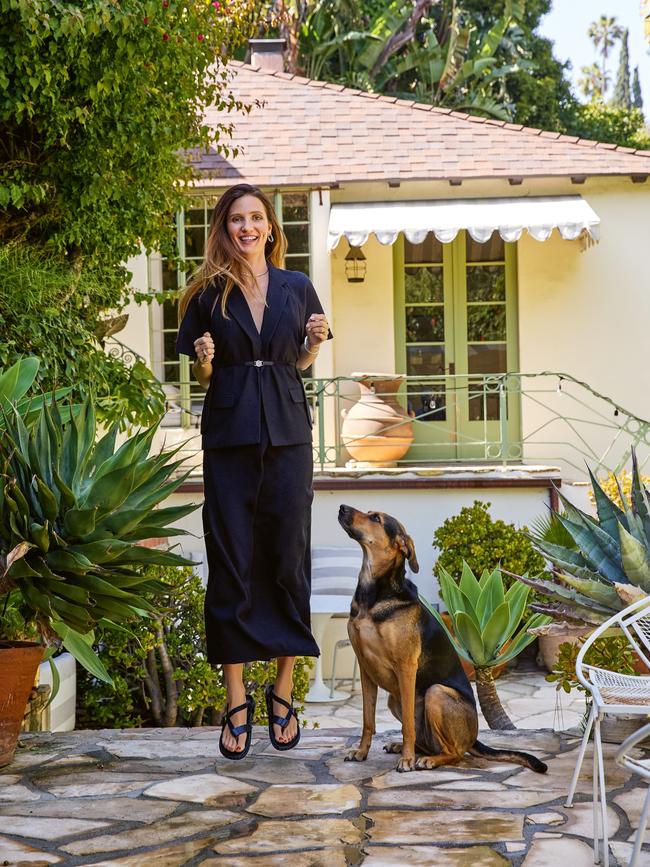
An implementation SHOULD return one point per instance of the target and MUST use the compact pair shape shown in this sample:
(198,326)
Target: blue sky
(567,23)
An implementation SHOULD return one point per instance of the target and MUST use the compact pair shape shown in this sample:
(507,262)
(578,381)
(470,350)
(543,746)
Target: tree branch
(402,37)
(171,687)
(153,686)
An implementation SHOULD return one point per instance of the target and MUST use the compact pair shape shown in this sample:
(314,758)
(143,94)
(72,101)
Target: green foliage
(16,381)
(99,103)
(606,565)
(439,54)
(473,537)
(540,93)
(637,97)
(612,653)
(49,310)
(73,510)
(622,97)
(191,691)
(487,627)
(608,123)
(12,623)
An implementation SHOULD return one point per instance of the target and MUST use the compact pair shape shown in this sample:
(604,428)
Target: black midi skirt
(257,525)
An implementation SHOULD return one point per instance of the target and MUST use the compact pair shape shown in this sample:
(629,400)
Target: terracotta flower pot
(376,430)
(549,645)
(19,661)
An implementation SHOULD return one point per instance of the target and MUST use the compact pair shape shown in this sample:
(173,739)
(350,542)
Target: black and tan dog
(403,649)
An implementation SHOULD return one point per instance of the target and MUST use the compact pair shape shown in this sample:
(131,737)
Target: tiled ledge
(423,477)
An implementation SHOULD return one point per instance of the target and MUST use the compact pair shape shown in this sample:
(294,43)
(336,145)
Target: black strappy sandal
(282,721)
(235,731)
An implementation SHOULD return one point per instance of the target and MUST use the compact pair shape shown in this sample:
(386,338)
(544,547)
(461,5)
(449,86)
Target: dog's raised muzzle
(346,514)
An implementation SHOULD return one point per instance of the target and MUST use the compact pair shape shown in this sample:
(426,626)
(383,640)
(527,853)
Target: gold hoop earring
(270,238)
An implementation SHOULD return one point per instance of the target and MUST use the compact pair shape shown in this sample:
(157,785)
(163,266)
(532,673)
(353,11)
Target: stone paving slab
(177,806)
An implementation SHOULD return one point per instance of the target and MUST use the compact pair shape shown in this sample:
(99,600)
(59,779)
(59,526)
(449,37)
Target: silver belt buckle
(258,363)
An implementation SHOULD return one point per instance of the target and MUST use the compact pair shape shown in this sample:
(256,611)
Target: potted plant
(73,509)
(601,565)
(609,652)
(488,629)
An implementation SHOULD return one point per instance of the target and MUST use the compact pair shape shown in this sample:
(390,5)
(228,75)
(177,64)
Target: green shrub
(160,671)
(49,311)
(484,544)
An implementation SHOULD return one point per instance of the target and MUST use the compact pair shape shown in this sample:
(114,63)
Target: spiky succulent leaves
(470,637)
(491,596)
(639,496)
(574,614)
(81,647)
(603,594)
(597,547)
(460,650)
(485,618)
(567,596)
(523,638)
(83,507)
(18,379)
(468,585)
(629,593)
(573,513)
(609,514)
(635,559)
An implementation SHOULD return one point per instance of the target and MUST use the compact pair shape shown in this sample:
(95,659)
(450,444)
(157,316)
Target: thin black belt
(257,363)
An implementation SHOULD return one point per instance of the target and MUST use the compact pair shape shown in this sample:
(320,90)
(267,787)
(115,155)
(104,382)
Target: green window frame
(464,313)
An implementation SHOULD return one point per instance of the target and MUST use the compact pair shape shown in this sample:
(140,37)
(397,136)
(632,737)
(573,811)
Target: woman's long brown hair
(222,260)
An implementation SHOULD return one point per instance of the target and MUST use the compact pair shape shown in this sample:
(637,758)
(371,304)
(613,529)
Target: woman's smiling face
(248,226)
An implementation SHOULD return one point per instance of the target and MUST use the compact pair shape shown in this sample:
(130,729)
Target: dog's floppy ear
(408,548)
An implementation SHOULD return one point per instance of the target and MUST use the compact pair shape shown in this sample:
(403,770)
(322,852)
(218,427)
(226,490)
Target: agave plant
(600,565)
(487,629)
(73,510)
(16,381)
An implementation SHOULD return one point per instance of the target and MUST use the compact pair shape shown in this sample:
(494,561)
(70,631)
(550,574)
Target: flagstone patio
(141,797)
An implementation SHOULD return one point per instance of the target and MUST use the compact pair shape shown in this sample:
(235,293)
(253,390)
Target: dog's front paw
(406,764)
(393,747)
(356,756)
(426,763)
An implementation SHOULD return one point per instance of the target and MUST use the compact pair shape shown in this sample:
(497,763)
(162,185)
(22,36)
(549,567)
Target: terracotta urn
(19,661)
(376,430)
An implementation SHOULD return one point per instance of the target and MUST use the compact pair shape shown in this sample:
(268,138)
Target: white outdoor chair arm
(597,633)
(625,760)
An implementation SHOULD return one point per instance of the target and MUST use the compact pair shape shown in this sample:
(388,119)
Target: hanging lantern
(355,265)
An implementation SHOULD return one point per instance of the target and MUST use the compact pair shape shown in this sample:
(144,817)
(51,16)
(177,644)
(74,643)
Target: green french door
(456,330)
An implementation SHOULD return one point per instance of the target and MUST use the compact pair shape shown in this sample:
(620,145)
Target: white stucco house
(503,277)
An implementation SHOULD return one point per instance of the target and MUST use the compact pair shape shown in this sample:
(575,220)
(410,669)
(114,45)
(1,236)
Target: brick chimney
(267,54)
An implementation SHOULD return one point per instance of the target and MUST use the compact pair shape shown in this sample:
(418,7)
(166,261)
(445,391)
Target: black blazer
(239,390)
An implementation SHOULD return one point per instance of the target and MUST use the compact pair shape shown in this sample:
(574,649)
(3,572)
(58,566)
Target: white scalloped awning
(571,215)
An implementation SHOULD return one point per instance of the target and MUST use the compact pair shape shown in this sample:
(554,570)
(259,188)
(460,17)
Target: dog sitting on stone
(403,649)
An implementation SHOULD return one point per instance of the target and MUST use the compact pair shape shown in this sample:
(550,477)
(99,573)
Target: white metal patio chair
(612,693)
(641,767)
(334,575)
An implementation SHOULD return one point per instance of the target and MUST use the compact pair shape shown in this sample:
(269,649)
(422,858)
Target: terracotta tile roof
(312,132)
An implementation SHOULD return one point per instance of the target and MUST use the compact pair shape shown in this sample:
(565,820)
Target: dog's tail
(516,756)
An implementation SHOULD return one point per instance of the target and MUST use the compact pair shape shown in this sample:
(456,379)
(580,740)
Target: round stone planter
(19,661)
(376,431)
